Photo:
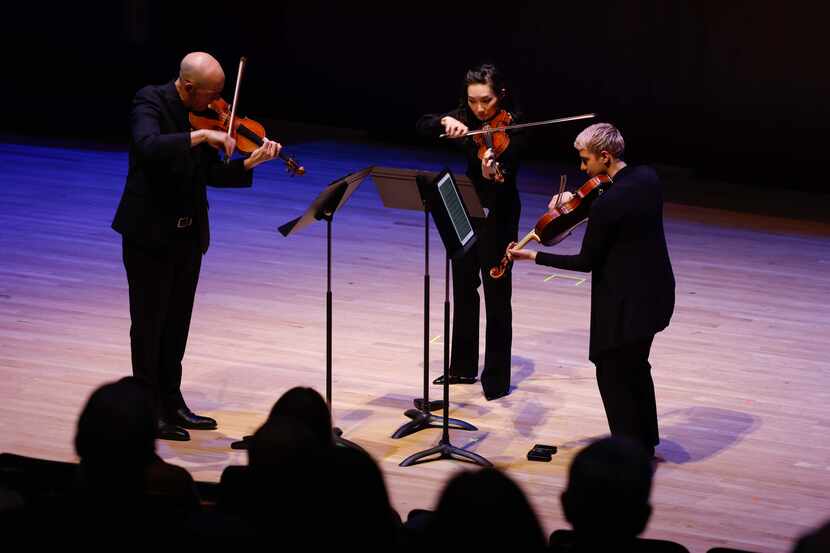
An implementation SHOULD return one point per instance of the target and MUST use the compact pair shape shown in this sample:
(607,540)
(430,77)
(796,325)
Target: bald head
(202,69)
(200,81)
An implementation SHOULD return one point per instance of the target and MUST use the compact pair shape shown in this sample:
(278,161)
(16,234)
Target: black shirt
(501,198)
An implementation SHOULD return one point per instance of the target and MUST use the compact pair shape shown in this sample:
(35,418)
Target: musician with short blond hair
(632,286)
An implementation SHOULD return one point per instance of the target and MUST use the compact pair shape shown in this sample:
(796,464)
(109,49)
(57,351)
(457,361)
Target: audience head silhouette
(116,431)
(817,541)
(486,510)
(608,490)
(361,514)
(309,407)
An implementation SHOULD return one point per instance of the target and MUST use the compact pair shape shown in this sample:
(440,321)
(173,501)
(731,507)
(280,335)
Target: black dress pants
(469,272)
(627,390)
(162,284)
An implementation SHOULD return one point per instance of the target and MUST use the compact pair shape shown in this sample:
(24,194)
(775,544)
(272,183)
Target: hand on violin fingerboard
(268,151)
(490,167)
(520,255)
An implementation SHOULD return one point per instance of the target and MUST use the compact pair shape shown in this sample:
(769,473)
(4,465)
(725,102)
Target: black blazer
(167,177)
(632,287)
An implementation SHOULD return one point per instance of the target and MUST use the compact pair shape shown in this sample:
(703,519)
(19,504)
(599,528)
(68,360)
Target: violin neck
(242,130)
(526,240)
(253,137)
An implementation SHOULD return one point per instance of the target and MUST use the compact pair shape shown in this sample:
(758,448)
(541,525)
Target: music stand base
(445,451)
(422,421)
(435,405)
(340,441)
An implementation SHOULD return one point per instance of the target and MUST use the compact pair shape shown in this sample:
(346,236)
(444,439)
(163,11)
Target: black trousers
(162,284)
(627,390)
(468,273)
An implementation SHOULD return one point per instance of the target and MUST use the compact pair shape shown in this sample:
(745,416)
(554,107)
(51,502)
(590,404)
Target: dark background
(732,90)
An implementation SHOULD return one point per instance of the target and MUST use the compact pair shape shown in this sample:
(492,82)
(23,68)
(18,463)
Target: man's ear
(606,158)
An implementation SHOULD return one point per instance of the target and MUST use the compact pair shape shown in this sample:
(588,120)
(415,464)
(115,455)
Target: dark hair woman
(486,96)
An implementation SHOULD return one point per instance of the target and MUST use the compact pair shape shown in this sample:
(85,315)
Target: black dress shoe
(244,443)
(186,418)
(495,395)
(456,379)
(167,431)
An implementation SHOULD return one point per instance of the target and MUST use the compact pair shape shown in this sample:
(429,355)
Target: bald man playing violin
(632,287)
(163,220)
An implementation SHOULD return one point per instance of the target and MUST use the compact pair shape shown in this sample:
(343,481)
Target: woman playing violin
(163,220)
(492,165)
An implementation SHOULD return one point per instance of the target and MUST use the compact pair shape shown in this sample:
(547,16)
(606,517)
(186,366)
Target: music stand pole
(422,416)
(425,403)
(444,449)
(328,216)
(323,207)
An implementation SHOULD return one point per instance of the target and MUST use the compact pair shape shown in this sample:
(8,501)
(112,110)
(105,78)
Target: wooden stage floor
(742,379)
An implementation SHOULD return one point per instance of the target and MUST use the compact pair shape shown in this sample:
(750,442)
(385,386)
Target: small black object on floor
(541,452)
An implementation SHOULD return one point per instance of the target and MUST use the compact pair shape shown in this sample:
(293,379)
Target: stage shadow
(200,402)
(532,414)
(397,401)
(693,434)
(522,368)
(697,433)
(207,451)
(471,443)
(355,416)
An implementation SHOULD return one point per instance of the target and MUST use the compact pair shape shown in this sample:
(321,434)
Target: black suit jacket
(167,177)
(632,287)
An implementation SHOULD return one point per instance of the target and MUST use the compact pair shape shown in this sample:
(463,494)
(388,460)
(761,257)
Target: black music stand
(410,189)
(450,216)
(324,206)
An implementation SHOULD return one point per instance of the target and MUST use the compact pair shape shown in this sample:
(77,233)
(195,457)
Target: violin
(558,223)
(493,135)
(498,141)
(248,133)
